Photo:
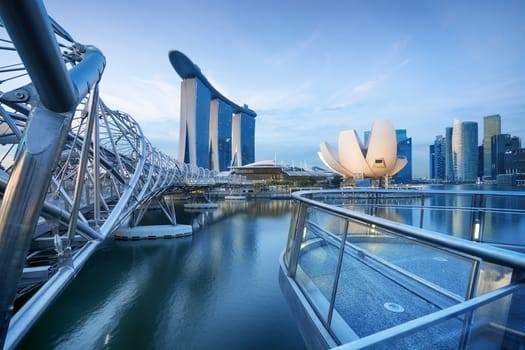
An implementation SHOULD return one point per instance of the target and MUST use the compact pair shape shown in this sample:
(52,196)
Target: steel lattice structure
(72,170)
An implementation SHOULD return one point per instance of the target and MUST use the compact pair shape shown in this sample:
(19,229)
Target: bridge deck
(371,297)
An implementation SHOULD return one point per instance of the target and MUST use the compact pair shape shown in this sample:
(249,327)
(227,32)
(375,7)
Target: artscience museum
(378,159)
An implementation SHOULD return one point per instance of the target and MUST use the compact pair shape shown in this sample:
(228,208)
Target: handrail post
(422,210)
(336,276)
(296,235)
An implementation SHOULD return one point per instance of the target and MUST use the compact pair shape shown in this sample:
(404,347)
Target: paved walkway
(364,288)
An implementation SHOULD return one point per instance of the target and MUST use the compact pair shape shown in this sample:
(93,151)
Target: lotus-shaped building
(353,160)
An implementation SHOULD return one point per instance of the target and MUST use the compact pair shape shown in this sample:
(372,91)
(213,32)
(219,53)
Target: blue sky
(313,68)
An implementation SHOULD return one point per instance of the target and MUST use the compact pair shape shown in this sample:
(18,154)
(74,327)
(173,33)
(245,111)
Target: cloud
(153,103)
(285,98)
(294,51)
(400,44)
(366,86)
(338,107)
(146,100)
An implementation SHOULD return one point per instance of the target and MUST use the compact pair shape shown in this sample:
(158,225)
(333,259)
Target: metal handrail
(484,251)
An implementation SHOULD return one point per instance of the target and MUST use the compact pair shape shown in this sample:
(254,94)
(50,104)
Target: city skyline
(460,156)
(330,66)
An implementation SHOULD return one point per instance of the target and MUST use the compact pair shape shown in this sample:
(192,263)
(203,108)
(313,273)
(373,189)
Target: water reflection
(215,290)
(453,214)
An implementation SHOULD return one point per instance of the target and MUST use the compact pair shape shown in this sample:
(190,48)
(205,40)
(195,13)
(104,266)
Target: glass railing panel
(317,262)
(315,276)
(503,227)
(499,216)
(326,221)
(291,233)
(369,300)
(491,277)
(440,269)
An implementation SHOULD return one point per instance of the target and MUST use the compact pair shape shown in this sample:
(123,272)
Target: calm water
(216,290)
(497,227)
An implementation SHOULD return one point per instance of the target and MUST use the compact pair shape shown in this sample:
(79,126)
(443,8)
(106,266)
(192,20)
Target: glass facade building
(465,151)
(432,161)
(194,123)
(220,135)
(491,127)
(501,145)
(243,134)
(437,170)
(214,132)
(404,150)
(449,166)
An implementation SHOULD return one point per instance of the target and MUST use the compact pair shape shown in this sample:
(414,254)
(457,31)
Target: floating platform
(153,232)
(235,197)
(201,205)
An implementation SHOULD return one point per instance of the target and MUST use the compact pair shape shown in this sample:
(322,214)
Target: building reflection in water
(453,214)
(215,289)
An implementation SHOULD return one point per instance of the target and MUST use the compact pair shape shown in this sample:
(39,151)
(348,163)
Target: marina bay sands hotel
(215,133)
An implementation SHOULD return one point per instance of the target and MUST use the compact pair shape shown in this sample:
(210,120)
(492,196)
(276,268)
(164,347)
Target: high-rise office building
(501,145)
(432,161)
(449,166)
(491,127)
(465,150)
(438,163)
(404,149)
(515,162)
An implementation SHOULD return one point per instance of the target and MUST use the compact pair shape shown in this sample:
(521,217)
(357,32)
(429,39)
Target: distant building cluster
(458,156)
(215,133)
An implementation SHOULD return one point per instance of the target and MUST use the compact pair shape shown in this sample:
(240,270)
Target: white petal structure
(376,160)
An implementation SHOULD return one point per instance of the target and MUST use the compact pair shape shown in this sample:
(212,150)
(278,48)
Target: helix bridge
(72,169)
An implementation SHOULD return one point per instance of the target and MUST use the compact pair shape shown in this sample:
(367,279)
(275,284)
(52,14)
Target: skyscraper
(439,158)
(432,161)
(220,135)
(243,139)
(214,131)
(194,123)
(449,166)
(502,145)
(491,127)
(499,145)
(465,150)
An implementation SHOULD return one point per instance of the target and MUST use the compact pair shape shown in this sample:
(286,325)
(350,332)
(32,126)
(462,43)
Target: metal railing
(348,264)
